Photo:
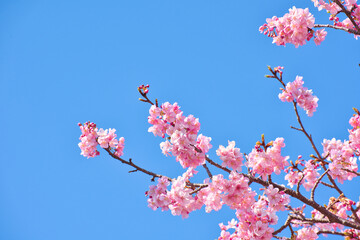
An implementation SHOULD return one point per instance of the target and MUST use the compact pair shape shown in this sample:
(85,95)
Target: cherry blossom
(295,91)
(231,156)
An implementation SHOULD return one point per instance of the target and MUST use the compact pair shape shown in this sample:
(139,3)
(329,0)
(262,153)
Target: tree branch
(337,27)
(316,184)
(348,14)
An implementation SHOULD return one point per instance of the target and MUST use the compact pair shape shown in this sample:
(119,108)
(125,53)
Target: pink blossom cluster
(88,142)
(277,200)
(237,193)
(339,207)
(267,162)
(355,133)
(91,137)
(295,91)
(158,197)
(294,27)
(178,199)
(329,6)
(309,175)
(211,196)
(254,223)
(308,233)
(234,192)
(184,143)
(231,156)
(182,201)
(341,157)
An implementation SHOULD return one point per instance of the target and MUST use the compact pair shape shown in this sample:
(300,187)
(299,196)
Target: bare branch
(207,170)
(217,165)
(331,232)
(154,175)
(316,184)
(337,27)
(286,224)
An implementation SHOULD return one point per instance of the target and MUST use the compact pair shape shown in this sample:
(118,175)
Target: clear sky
(64,62)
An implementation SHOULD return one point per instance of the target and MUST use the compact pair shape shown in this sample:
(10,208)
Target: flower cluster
(355,133)
(91,137)
(294,27)
(308,233)
(277,200)
(338,206)
(295,91)
(184,143)
(231,156)
(253,222)
(342,160)
(178,199)
(266,162)
(158,195)
(88,142)
(309,175)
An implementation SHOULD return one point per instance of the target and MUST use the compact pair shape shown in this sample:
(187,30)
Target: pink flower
(307,233)
(320,36)
(354,136)
(294,27)
(231,156)
(267,162)
(203,143)
(88,140)
(119,149)
(106,139)
(295,91)
(183,134)
(341,156)
(92,137)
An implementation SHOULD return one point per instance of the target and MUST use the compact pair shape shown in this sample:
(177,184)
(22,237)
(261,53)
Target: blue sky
(64,62)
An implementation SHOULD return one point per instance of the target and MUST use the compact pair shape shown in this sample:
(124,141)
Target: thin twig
(330,232)
(326,184)
(298,184)
(217,165)
(337,27)
(154,175)
(316,184)
(286,224)
(207,170)
(350,171)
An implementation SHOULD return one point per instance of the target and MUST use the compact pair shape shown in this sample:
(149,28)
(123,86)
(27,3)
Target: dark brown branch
(326,184)
(286,224)
(348,14)
(154,175)
(217,165)
(304,131)
(298,184)
(207,170)
(316,184)
(330,232)
(310,220)
(137,168)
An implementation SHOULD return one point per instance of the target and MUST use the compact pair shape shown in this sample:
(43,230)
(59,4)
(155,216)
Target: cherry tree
(246,183)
